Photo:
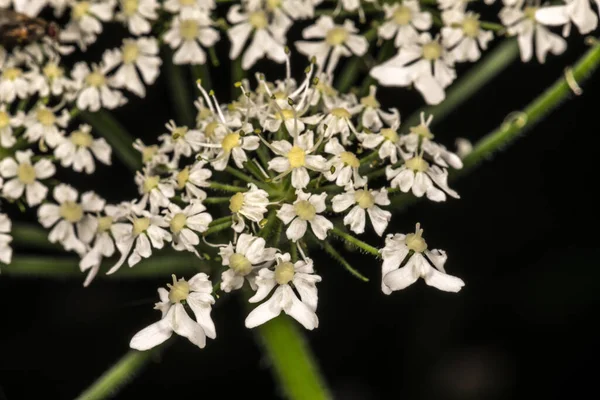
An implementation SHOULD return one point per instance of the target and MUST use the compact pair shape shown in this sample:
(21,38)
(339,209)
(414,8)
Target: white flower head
(5,239)
(373,117)
(426,64)
(7,124)
(137,14)
(243,259)
(343,166)
(86,21)
(184,223)
(50,80)
(25,177)
(191,180)
(363,200)
(77,150)
(45,125)
(13,83)
(96,88)
(403,22)
(578,11)
(286,276)
(187,33)
(195,293)
(462,34)
(422,263)
(234,144)
(338,41)
(186,8)
(181,141)
(250,205)
(155,190)
(306,209)
(137,58)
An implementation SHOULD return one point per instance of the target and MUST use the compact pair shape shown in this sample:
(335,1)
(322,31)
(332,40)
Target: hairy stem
(354,241)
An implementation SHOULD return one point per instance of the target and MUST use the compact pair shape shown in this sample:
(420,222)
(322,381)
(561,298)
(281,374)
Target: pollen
(364,198)
(417,164)
(81,139)
(179,290)
(178,222)
(26,173)
(470,26)
(188,29)
(230,141)
(12,73)
(140,225)
(422,130)
(341,113)
(390,134)
(236,202)
(45,116)
(149,152)
(179,132)
(273,4)
(129,7)
(80,9)
(336,36)
(284,273)
(305,210)
(210,129)
(131,52)
(53,71)
(71,211)
(415,241)
(95,79)
(182,177)
(240,264)
(151,183)
(402,15)
(369,101)
(296,157)
(258,19)
(104,223)
(432,51)
(349,159)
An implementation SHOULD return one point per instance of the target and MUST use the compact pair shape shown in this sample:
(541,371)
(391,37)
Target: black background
(522,236)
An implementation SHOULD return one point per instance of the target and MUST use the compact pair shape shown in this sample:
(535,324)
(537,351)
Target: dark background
(522,237)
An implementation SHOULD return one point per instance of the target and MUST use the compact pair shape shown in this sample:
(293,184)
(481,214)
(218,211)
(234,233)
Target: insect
(18,29)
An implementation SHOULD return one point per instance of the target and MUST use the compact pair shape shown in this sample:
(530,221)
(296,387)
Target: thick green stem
(109,384)
(292,362)
(491,65)
(32,236)
(179,89)
(116,135)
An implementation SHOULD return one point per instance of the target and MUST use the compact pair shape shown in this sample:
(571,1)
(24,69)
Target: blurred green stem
(179,89)
(353,66)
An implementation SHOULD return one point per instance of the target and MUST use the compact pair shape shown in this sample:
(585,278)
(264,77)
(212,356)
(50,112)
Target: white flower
(578,11)
(390,141)
(339,40)
(373,116)
(5,239)
(268,39)
(306,209)
(404,21)
(185,34)
(12,83)
(364,199)
(77,149)
(426,64)
(186,8)
(86,21)
(44,124)
(423,263)
(191,180)
(96,88)
(137,14)
(185,223)
(180,140)
(521,21)
(146,230)
(50,79)
(151,155)
(418,175)
(343,167)
(138,57)
(462,34)
(70,214)
(287,276)
(25,177)
(464,147)
(234,144)
(339,117)
(297,159)
(248,255)
(251,205)
(196,293)
(7,123)
(154,189)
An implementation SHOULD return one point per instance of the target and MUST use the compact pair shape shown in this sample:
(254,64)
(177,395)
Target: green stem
(384,53)
(179,89)
(227,188)
(202,72)
(32,236)
(109,384)
(496,61)
(216,200)
(355,242)
(353,66)
(292,362)
(116,135)
(218,228)
(338,257)
(237,75)
(240,175)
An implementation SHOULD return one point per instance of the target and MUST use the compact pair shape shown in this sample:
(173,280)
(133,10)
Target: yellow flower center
(182,178)
(188,29)
(104,223)
(304,210)
(230,141)
(432,51)
(80,9)
(402,15)
(53,71)
(341,113)
(364,198)
(417,164)
(26,173)
(129,7)
(240,264)
(71,211)
(148,153)
(45,116)
(204,113)
(369,101)
(284,273)
(179,132)
(296,157)
(258,19)
(210,129)
(178,222)
(12,73)
(4,120)
(151,183)
(140,225)
(390,134)
(179,290)
(81,139)
(285,114)
(273,4)
(187,3)
(326,89)
(131,52)
(422,130)
(470,26)
(95,79)
(415,241)
(530,12)
(349,159)
(336,36)
(236,202)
